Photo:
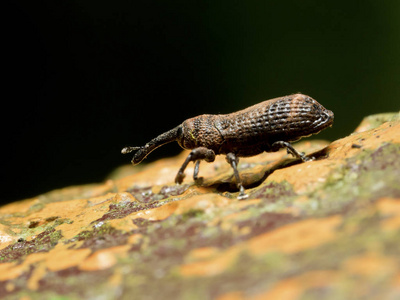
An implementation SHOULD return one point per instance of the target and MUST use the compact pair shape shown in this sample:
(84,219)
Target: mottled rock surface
(324,229)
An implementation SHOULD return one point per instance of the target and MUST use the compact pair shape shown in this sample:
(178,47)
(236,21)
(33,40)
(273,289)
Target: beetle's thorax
(200,131)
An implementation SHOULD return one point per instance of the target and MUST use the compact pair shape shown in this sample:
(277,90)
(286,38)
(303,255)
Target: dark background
(85,78)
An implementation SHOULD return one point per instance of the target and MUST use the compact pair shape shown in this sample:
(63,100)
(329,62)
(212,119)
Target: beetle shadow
(251,179)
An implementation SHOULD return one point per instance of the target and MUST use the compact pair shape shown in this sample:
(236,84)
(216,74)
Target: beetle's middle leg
(233,160)
(196,170)
(197,154)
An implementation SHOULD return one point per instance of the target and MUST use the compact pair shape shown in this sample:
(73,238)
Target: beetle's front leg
(281,144)
(197,154)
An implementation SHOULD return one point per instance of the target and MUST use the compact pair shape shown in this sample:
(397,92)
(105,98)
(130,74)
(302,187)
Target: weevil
(266,126)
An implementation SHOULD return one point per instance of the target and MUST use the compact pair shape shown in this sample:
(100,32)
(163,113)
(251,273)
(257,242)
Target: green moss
(192,213)
(36,207)
(100,237)
(377,120)
(362,179)
(42,243)
(273,192)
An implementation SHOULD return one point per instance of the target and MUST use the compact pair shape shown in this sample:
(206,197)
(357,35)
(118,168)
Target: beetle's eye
(180,131)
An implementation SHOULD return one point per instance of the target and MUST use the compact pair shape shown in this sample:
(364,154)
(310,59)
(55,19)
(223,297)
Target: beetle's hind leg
(196,155)
(281,144)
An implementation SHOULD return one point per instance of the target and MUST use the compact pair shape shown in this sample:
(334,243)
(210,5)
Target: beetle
(267,126)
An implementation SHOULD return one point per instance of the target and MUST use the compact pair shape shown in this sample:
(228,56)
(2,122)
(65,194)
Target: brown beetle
(266,126)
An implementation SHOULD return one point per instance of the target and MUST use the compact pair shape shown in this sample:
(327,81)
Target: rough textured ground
(324,229)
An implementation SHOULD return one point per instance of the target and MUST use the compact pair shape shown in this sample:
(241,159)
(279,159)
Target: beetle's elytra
(266,126)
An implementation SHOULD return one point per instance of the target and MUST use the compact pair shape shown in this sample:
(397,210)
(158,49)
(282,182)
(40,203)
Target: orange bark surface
(324,229)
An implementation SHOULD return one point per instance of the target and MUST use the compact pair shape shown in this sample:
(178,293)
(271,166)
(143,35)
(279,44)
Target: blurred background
(86,78)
